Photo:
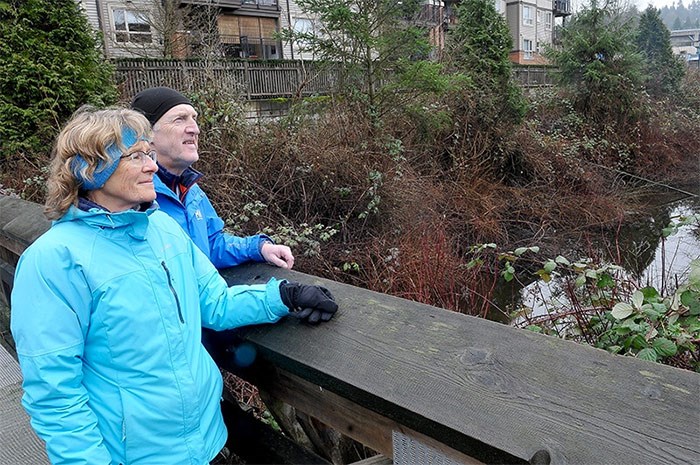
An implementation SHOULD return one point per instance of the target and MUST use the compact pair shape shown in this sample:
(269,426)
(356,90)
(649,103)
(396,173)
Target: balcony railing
(262,4)
(562,7)
(250,47)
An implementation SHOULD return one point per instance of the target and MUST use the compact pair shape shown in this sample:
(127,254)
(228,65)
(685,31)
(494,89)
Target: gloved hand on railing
(310,303)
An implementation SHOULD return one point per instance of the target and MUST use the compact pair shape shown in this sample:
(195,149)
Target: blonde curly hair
(82,147)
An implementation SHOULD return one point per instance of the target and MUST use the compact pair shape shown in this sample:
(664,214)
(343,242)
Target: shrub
(600,67)
(50,64)
(600,304)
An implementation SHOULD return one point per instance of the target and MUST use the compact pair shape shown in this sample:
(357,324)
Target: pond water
(639,247)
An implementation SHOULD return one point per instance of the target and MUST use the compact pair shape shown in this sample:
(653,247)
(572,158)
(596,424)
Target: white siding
(291,13)
(540,30)
(89,7)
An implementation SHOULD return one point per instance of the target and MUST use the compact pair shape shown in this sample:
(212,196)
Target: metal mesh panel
(408,451)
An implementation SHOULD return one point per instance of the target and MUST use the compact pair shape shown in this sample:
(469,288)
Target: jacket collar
(97,216)
(187,178)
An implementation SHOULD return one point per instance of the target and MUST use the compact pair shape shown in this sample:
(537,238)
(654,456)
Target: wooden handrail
(387,369)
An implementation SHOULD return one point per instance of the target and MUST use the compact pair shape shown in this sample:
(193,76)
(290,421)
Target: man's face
(176,138)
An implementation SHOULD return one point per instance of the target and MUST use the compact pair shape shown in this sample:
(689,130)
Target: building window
(527,15)
(527,49)
(304,26)
(248,37)
(131,26)
(548,20)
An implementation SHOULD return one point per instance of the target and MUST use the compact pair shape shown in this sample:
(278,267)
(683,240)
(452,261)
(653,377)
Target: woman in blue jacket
(108,304)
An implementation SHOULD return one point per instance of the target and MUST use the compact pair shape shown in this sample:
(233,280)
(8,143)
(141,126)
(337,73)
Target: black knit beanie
(156,101)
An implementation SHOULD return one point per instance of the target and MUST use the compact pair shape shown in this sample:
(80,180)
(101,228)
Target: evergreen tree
(50,64)
(478,47)
(488,104)
(664,70)
(677,25)
(599,65)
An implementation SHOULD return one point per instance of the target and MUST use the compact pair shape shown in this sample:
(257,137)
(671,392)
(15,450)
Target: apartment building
(532,24)
(133,28)
(686,44)
(246,28)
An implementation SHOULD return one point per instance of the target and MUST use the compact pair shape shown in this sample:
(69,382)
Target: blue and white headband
(104,169)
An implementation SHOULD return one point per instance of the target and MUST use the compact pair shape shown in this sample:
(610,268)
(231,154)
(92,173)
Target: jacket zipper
(172,289)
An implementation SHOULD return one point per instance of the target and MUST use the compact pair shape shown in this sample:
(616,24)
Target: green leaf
(630,323)
(472,263)
(669,231)
(650,293)
(533,328)
(691,300)
(508,273)
(520,250)
(546,277)
(622,310)
(651,312)
(580,280)
(637,299)
(549,266)
(605,280)
(638,342)
(648,354)
(622,330)
(562,260)
(665,347)
(660,308)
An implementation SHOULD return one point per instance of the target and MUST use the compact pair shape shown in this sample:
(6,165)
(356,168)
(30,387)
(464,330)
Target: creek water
(638,246)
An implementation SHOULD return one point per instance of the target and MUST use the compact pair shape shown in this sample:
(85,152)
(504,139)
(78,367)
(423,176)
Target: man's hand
(278,255)
(310,303)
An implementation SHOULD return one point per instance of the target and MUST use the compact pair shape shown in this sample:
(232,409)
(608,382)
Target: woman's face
(131,184)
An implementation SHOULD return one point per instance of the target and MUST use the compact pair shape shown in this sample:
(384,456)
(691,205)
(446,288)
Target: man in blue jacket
(176,142)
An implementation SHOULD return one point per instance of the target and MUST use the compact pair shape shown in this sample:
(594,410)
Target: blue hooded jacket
(198,217)
(107,311)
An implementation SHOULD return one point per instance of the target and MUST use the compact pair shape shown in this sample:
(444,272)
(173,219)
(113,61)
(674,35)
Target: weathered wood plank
(486,390)
(21,222)
(353,420)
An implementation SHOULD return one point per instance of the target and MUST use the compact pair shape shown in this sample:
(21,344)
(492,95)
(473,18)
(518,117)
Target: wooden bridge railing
(414,381)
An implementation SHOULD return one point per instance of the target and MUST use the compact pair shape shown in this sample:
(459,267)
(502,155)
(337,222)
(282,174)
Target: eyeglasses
(140,156)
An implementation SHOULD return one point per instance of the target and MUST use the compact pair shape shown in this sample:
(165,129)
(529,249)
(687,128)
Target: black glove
(311,303)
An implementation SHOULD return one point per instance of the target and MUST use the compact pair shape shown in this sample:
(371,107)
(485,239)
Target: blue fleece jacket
(107,311)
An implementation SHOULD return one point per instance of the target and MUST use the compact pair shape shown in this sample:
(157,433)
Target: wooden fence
(533,76)
(258,79)
(421,384)
(254,79)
